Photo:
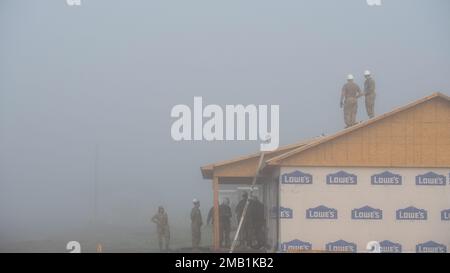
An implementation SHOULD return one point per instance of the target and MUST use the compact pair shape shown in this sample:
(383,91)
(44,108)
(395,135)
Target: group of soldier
(350,94)
(162,226)
(252,232)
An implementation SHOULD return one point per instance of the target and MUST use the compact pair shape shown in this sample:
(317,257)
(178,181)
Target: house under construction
(384,180)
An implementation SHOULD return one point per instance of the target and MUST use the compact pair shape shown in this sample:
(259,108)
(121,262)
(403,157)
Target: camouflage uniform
(369,92)
(225,224)
(196,224)
(162,225)
(349,100)
(257,220)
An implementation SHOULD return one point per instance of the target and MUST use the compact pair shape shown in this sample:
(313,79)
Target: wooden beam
(216,232)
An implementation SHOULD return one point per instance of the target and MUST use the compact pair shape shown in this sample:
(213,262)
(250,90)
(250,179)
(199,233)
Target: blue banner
(367,213)
(445,215)
(295,245)
(390,247)
(341,246)
(431,179)
(321,212)
(342,178)
(386,178)
(431,247)
(286,213)
(296,177)
(411,213)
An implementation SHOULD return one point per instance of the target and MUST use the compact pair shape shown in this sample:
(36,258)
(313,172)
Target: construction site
(382,180)
(227,127)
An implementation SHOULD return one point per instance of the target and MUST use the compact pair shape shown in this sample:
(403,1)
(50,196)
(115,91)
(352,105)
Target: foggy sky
(107,74)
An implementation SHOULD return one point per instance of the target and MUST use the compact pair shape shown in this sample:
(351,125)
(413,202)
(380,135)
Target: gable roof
(277,159)
(207,170)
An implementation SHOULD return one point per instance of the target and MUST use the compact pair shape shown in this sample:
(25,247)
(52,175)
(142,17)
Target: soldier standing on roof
(349,100)
(369,93)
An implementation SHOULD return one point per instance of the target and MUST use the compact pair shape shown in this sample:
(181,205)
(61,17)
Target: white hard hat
(367,73)
(350,77)
(195,200)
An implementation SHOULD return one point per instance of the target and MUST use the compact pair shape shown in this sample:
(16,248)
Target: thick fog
(86,94)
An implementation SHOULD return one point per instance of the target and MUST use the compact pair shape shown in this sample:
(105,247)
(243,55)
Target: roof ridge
(275,159)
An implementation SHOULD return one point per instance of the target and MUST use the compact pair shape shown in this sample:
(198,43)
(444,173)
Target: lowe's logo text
(367,213)
(411,213)
(431,247)
(386,178)
(296,177)
(445,215)
(321,212)
(431,179)
(295,245)
(286,213)
(387,246)
(341,246)
(342,178)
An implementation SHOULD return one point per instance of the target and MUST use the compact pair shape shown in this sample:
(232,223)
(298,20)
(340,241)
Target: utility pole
(99,247)
(96,186)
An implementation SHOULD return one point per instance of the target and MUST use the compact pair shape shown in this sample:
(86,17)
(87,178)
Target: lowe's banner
(431,179)
(367,213)
(386,178)
(387,246)
(445,215)
(296,246)
(342,178)
(411,213)
(403,209)
(321,212)
(296,177)
(341,246)
(286,213)
(431,247)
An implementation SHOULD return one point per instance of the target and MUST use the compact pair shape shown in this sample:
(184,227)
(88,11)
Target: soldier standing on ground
(369,93)
(244,234)
(196,224)
(225,222)
(162,225)
(349,101)
(258,222)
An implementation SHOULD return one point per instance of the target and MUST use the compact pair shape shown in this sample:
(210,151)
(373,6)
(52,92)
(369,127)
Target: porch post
(216,233)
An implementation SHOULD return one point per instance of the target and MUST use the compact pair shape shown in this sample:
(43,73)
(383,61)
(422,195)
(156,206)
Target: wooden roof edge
(207,170)
(276,160)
